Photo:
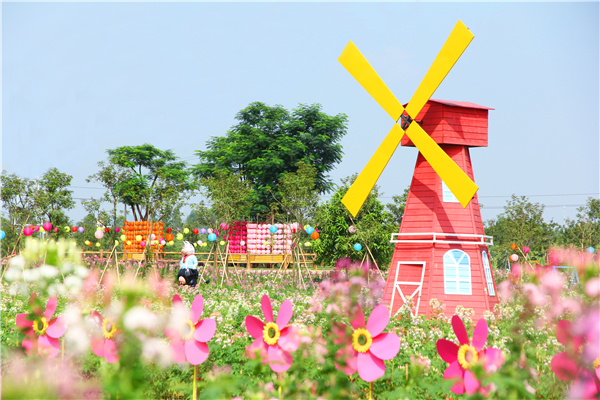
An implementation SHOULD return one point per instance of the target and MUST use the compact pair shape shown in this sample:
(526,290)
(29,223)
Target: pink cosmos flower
(575,363)
(367,347)
(190,334)
(273,340)
(43,331)
(103,337)
(462,358)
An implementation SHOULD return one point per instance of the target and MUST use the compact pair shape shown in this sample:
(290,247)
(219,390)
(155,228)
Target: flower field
(136,334)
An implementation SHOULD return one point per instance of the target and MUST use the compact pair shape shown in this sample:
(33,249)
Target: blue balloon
(2,235)
(212,237)
(310,230)
(589,249)
(358,247)
(273,228)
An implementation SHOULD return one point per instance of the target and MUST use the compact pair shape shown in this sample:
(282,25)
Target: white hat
(187,248)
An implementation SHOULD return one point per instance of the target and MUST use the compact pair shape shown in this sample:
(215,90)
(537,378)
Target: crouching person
(188,266)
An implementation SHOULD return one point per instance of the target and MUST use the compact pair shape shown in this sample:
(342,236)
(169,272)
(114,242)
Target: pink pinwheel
(189,336)
(367,347)
(44,327)
(462,358)
(273,339)
(574,363)
(103,339)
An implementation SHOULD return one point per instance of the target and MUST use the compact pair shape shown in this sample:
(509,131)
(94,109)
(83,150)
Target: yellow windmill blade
(455,178)
(362,186)
(358,66)
(455,45)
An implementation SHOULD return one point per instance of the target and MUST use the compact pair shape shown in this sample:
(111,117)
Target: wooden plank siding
(455,128)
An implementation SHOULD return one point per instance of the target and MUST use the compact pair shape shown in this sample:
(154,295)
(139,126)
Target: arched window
(457,272)
(488,273)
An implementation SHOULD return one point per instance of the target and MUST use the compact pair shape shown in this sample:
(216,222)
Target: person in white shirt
(188,266)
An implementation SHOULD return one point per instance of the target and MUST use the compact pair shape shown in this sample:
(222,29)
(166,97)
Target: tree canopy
(268,142)
(155,181)
(373,228)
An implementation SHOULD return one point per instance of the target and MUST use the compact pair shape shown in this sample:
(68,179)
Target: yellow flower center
(271,333)
(187,330)
(597,362)
(467,356)
(108,328)
(361,340)
(40,325)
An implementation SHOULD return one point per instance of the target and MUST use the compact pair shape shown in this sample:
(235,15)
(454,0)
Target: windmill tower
(441,251)
(443,172)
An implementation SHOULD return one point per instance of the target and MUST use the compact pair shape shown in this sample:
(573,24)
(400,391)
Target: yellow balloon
(116,242)
(129,242)
(222,242)
(138,238)
(123,238)
(97,244)
(179,236)
(186,230)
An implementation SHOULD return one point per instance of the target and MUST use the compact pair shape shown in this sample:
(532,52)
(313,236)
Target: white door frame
(419,286)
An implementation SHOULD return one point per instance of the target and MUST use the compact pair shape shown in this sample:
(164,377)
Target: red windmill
(441,251)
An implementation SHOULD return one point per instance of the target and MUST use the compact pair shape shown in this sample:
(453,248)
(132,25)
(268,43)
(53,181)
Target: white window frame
(456,277)
(447,195)
(488,273)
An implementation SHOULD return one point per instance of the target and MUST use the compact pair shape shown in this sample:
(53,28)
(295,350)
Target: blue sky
(80,78)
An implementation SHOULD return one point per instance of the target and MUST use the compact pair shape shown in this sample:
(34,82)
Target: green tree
(584,231)
(155,181)
(51,197)
(228,194)
(268,142)
(396,208)
(520,223)
(17,207)
(371,222)
(299,197)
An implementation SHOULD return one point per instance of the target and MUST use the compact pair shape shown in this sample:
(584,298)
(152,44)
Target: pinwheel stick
(194,393)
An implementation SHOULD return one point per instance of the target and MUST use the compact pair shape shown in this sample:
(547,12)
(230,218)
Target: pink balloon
(143,243)
(99,234)
(56,230)
(47,226)
(117,229)
(27,231)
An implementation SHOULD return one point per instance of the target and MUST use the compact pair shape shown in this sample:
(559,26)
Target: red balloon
(169,230)
(107,230)
(74,229)
(195,230)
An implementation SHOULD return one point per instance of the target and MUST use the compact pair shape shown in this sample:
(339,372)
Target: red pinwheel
(462,358)
(367,347)
(273,339)
(41,330)
(189,337)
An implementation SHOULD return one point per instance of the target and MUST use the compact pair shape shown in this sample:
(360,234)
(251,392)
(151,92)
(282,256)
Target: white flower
(154,349)
(17,262)
(13,273)
(48,271)
(31,275)
(139,317)
(81,271)
(73,282)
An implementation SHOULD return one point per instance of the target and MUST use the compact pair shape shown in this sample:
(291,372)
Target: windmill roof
(464,104)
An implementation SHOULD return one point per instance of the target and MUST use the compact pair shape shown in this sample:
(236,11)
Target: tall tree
(299,197)
(155,181)
(268,142)
(520,223)
(584,231)
(372,228)
(52,198)
(396,208)
(228,194)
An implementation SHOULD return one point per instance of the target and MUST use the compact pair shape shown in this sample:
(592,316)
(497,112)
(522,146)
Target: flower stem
(370,390)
